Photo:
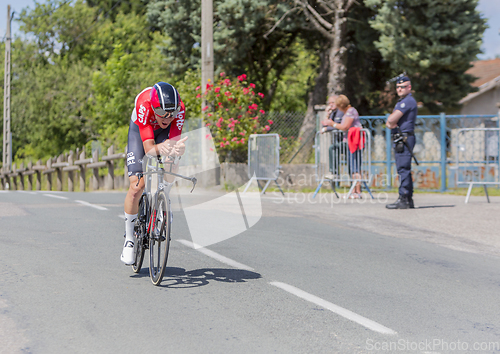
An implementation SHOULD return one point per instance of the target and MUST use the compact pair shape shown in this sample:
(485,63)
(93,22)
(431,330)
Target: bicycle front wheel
(159,238)
(140,229)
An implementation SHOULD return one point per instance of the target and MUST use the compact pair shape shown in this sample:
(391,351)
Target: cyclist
(155,128)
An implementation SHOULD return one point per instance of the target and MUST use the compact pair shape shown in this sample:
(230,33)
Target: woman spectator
(350,120)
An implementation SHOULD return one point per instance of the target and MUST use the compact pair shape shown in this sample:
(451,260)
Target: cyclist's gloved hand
(166,147)
(179,147)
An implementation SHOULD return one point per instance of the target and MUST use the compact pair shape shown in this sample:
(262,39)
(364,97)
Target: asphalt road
(311,276)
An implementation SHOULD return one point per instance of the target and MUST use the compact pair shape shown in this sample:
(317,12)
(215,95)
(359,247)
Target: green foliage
(113,92)
(434,41)
(112,8)
(243,41)
(296,81)
(58,27)
(366,70)
(186,86)
(233,115)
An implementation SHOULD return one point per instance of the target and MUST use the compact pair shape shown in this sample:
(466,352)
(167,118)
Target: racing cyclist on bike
(155,128)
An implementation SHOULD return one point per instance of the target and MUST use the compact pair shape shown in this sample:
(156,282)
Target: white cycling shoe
(128,253)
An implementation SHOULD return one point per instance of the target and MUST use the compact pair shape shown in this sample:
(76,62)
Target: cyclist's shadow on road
(180,278)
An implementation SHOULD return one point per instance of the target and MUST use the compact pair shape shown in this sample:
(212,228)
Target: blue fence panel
(434,148)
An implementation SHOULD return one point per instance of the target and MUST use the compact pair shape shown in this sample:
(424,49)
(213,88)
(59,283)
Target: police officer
(402,125)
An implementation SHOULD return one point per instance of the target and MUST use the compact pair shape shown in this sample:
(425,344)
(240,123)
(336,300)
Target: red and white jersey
(144,117)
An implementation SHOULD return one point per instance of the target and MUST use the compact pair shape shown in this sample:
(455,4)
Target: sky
(490,10)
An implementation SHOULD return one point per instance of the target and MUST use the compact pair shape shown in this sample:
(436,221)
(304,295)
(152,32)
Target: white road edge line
(54,196)
(91,205)
(215,255)
(365,322)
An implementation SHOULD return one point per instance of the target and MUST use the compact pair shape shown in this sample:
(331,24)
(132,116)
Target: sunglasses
(165,114)
(402,87)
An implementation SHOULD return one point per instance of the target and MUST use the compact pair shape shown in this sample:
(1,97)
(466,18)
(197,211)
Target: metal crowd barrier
(263,159)
(477,158)
(333,162)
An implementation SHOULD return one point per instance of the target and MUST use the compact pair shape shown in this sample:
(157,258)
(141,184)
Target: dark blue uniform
(408,106)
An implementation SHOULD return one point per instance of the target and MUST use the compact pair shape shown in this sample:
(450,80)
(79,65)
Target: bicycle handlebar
(193,180)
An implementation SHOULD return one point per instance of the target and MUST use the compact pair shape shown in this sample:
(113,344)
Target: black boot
(401,203)
(410,202)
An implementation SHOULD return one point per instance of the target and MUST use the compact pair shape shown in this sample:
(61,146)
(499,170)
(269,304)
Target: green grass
(476,191)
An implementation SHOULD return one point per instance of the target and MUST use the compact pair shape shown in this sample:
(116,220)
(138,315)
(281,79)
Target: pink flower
(217,124)
(263,112)
(220,104)
(207,125)
(222,74)
(252,85)
(209,115)
(198,96)
(246,90)
(253,106)
(227,93)
(242,133)
(227,143)
(209,86)
(198,87)
(227,82)
(221,145)
(208,136)
(240,116)
(204,108)
(225,139)
(237,141)
(234,139)
(243,140)
(217,89)
(267,127)
(242,77)
(270,122)
(261,95)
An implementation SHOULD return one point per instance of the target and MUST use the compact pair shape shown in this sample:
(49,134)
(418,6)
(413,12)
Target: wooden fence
(73,165)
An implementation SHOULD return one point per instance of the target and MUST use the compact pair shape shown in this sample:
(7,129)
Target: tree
(245,40)
(433,41)
(83,72)
(328,19)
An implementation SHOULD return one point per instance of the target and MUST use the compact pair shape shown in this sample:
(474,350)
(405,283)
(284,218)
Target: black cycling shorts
(135,148)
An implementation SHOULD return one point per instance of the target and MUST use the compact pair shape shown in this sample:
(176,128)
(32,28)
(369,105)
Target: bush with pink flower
(233,113)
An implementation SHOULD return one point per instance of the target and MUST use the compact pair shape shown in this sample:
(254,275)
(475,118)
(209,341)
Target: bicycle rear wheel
(159,238)
(141,233)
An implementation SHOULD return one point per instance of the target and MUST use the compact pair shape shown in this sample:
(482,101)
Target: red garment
(145,118)
(355,140)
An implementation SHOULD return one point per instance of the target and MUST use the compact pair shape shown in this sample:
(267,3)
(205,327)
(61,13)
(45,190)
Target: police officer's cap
(403,79)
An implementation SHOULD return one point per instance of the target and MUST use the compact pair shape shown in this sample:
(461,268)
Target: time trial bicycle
(154,219)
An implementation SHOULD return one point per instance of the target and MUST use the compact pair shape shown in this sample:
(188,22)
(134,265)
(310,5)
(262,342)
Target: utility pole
(7,136)
(207,48)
